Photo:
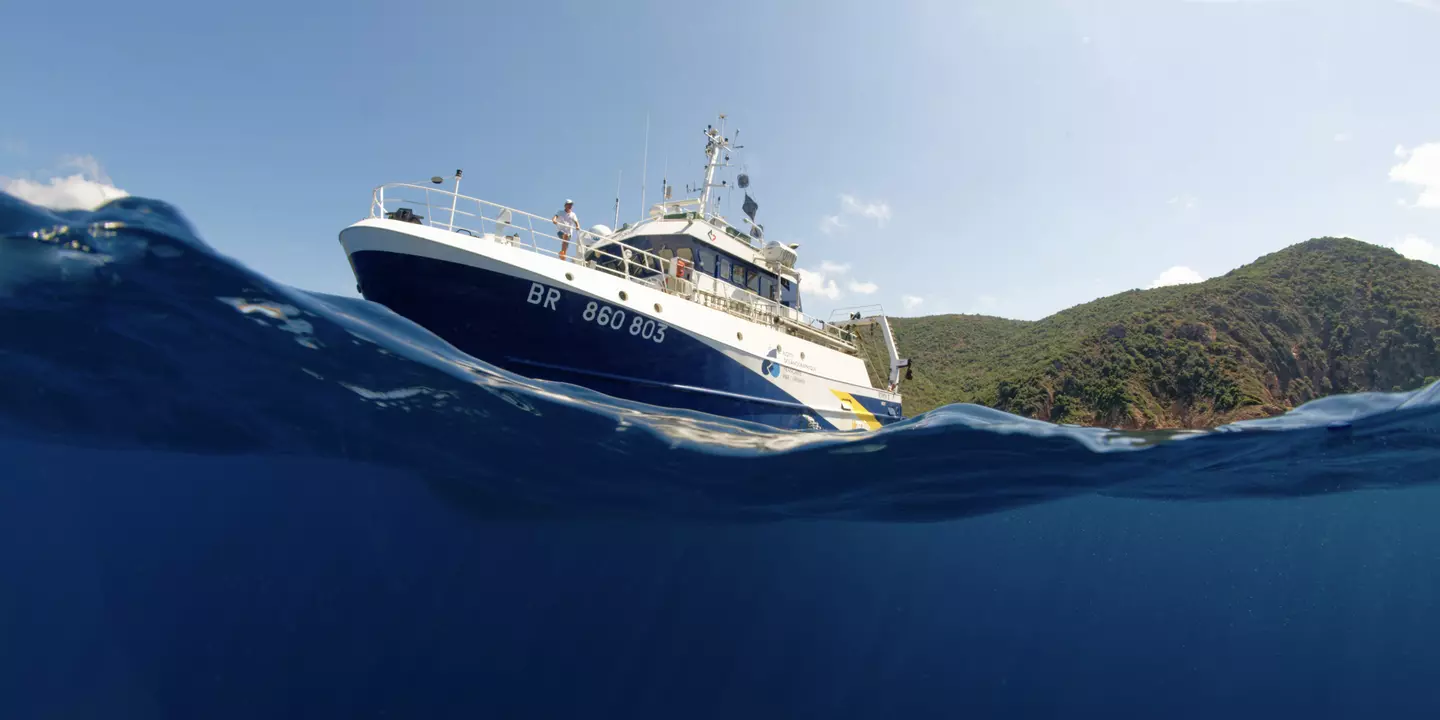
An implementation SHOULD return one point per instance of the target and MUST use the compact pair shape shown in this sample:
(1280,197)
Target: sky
(1003,157)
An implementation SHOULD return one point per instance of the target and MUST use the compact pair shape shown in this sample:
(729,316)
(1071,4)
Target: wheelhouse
(703,258)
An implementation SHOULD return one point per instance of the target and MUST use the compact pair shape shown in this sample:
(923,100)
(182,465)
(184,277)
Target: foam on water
(123,330)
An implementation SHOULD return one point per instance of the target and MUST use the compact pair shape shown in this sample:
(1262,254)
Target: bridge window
(767,287)
(699,256)
(789,293)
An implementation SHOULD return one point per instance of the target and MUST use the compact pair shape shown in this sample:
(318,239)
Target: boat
(681,309)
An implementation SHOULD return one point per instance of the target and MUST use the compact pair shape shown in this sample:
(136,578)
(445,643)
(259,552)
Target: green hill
(1325,316)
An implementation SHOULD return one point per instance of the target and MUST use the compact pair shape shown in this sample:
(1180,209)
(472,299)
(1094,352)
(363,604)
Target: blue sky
(1005,157)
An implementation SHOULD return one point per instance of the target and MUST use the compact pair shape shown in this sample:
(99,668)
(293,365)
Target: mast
(715,144)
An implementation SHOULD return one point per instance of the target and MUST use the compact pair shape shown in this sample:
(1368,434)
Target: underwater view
(226,497)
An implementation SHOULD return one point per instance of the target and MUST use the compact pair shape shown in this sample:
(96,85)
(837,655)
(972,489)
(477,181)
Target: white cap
(568,201)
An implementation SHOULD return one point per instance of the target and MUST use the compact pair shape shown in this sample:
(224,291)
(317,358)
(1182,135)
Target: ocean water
(223,497)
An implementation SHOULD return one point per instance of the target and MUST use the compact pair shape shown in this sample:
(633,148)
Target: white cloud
(816,282)
(1184,201)
(85,190)
(74,192)
(87,165)
(911,301)
(1178,275)
(1417,248)
(827,281)
(850,206)
(877,211)
(1421,167)
(1342,137)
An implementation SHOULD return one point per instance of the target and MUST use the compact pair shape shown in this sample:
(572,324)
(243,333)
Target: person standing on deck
(568,225)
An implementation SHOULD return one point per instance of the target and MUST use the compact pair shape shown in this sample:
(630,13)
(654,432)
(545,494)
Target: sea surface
(224,497)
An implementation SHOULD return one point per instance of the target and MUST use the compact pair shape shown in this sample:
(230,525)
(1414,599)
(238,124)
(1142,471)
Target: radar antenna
(716,147)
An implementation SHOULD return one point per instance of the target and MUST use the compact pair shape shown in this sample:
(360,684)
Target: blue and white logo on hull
(770,366)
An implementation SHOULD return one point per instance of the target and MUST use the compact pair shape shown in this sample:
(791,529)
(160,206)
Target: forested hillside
(1325,316)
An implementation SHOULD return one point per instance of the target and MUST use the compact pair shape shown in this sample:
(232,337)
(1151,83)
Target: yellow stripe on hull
(861,413)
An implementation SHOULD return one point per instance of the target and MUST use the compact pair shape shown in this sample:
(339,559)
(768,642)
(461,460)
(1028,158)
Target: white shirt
(568,222)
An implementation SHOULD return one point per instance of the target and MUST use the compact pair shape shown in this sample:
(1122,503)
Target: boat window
(707,261)
(767,287)
(662,246)
(737,274)
(722,270)
(606,255)
(753,282)
(789,295)
(611,257)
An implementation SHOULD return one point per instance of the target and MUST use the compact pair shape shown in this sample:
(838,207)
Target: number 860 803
(614,318)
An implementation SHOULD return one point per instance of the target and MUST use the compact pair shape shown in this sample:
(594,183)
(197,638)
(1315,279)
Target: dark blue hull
(545,333)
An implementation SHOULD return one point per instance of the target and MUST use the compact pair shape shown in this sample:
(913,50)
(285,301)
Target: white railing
(690,208)
(473,216)
(439,208)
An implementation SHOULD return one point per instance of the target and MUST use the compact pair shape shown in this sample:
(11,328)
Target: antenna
(644,161)
(618,178)
(716,145)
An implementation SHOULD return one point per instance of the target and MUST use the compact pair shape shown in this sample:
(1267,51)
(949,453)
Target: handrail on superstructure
(672,209)
(632,263)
